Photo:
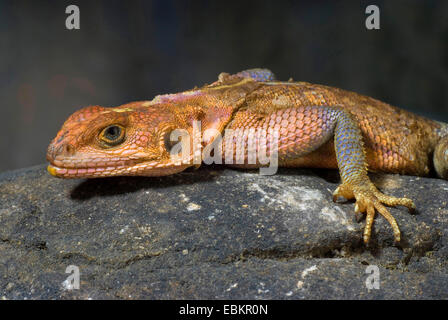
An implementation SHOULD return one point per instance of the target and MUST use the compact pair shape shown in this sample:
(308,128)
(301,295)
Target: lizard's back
(396,140)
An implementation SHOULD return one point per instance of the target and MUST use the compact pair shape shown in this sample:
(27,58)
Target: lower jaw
(68,173)
(98,172)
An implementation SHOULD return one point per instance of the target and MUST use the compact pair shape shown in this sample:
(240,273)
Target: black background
(134,50)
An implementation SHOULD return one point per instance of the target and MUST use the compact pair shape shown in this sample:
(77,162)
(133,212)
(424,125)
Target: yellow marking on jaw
(51,170)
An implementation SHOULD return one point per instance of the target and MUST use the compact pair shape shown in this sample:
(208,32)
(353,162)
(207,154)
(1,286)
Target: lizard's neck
(230,93)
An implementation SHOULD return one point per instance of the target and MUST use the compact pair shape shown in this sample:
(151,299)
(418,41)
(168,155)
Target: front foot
(369,199)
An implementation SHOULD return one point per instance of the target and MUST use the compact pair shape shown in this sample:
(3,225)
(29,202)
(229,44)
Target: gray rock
(215,234)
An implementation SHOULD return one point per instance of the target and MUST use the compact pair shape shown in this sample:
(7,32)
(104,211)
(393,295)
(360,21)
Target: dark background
(134,50)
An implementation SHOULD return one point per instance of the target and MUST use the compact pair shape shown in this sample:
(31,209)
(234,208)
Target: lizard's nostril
(62,150)
(58,151)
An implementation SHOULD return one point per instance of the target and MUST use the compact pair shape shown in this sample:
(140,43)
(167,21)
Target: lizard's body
(132,139)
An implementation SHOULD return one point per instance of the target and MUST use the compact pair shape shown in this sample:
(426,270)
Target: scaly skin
(318,126)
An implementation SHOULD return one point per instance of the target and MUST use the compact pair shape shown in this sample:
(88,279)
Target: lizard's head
(128,140)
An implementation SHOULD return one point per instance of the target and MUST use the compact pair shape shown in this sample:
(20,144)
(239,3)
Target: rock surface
(215,234)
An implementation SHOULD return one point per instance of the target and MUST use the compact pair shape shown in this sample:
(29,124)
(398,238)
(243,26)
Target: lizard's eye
(112,135)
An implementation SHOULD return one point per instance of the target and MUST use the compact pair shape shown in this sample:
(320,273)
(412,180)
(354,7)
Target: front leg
(356,184)
(303,130)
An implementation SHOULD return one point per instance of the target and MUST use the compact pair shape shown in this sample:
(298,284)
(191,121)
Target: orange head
(133,139)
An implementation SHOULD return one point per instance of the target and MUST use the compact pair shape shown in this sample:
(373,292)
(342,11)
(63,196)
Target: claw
(336,194)
(369,223)
(369,200)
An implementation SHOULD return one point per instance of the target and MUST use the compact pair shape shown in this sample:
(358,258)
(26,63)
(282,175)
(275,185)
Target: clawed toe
(368,201)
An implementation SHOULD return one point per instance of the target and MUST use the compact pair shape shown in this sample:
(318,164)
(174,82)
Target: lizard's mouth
(146,167)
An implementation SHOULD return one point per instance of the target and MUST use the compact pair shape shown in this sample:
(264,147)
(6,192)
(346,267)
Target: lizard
(317,126)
